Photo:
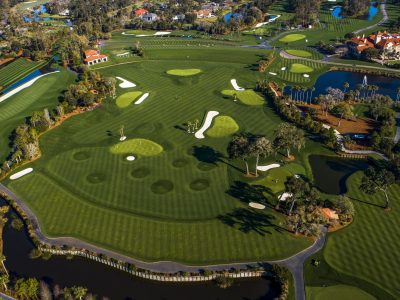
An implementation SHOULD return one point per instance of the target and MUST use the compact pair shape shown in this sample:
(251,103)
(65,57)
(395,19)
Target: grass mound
(299,53)
(96,178)
(180,163)
(137,146)
(345,292)
(248,97)
(203,166)
(81,155)
(162,187)
(126,99)
(140,172)
(199,184)
(300,68)
(223,126)
(183,72)
(292,38)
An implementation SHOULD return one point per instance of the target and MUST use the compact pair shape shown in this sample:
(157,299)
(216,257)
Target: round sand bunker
(130,158)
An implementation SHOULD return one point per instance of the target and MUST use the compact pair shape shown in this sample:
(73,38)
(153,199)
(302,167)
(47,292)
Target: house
(178,17)
(140,12)
(93,57)
(204,14)
(329,214)
(149,17)
(381,40)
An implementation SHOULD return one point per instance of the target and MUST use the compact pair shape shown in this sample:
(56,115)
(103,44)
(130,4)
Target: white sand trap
(23,86)
(273,74)
(142,35)
(207,123)
(306,75)
(269,167)
(130,158)
(256,205)
(122,138)
(21,173)
(283,69)
(162,33)
(125,83)
(235,85)
(141,99)
(284,196)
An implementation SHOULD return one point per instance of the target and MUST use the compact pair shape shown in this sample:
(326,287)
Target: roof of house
(91,52)
(95,57)
(329,213)
(141,11)
(149,15)
(203,12)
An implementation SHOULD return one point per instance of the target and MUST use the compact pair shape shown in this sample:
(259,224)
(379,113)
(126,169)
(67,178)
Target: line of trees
(90,91)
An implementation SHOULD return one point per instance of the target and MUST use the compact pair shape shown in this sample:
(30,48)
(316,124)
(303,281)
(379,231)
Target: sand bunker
(256,205)
(235,85)
(21,173)
(207,123)
(141,99)
(125,83)
(268,167)
(130,158)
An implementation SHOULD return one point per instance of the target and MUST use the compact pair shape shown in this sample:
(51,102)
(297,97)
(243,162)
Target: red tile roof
(140,12)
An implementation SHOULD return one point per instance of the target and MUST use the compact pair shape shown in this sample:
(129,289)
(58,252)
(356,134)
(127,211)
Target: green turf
(300,68)
(358,249)
(126,99)
(248,97)
(300,53)
(275,178)
(292,38)
(42,94)
(17,70)
(137,146)
(184,72)
(342,292)
(222,126)
(172,206)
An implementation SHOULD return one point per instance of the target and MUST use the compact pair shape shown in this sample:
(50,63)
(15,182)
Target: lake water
(372,12)
(331,173)
(336,79)
(229,16)
(105,281)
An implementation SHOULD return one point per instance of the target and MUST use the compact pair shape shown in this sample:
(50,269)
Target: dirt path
(384,19)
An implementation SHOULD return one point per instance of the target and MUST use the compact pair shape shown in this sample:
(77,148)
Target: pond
(331,173)
(372,12)
(229,16)
(387,85)
(115,284)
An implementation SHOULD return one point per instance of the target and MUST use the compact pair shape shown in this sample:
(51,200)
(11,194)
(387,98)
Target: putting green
(342,292)
(292,38)
(248,97)
(137,146)
(275,179)
(299,53)
(300,68)
(126,99)
(223,126)
(183,72)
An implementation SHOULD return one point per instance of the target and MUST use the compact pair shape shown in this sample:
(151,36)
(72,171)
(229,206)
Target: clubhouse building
(390,42)
(93,57)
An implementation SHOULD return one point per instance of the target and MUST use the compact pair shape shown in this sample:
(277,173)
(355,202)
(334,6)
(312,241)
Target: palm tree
(4,280)
(346,85)
(2,260)
(79,292)
(239,147)
(312,91)
(260,146)
(288,137)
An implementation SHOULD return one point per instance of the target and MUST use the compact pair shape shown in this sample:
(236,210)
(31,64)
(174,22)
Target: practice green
(299,53)
(300,68)
(292,38)
(223,126)
(183,72)
(248,97)
(126,99)
(137,146)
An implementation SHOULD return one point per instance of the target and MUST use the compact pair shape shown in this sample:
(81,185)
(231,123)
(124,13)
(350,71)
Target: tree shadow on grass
(248,220)
(247,193)
(208,155)
(368,203)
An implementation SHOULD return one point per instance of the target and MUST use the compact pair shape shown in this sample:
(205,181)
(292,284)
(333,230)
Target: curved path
(384,19)
(6,297)
(397,137)
(294,263)
(326,61)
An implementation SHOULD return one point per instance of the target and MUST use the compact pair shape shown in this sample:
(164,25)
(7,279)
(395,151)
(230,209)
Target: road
(384,19)
(294,263)
(5,297)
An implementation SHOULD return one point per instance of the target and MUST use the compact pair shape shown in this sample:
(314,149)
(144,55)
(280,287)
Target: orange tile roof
(329,213)
(140,12)
(94,57)
(91,52)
